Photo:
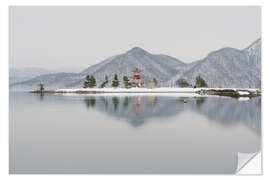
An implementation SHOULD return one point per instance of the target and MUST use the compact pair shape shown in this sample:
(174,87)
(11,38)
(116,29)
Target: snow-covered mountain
(161,67)
(23,74)
(227,67)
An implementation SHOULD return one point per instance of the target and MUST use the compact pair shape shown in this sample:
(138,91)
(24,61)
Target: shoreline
(231,92)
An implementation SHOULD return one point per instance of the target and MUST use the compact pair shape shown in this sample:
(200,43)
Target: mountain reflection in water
(137,110)
(68,133)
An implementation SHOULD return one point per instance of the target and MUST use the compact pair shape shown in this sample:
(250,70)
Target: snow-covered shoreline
(131,90)
(237,92)
(136,94)
(164,91)
(153,90)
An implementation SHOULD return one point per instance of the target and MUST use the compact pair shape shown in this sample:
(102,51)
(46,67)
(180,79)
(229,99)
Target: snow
(243,93)
(134,90)
(140,94)
(162,90)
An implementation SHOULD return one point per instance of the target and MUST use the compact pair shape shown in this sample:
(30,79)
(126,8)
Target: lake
(98,134)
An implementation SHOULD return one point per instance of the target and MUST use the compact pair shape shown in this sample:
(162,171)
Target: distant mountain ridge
(159,66)
(23,74)
(227,67)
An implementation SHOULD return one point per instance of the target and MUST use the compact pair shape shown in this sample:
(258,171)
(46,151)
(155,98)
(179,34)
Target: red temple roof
(137,70)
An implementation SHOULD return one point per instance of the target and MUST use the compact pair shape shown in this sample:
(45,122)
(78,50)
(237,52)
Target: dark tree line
(199,82)
(90,82)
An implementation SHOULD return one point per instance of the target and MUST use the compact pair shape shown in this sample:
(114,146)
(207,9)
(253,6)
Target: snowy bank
(233,92)
(131,90)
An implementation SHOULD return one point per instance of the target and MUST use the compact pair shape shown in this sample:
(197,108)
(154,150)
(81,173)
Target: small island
(136,85)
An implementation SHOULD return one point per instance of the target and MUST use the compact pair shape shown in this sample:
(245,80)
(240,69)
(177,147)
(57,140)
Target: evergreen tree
(155,81)
(115,82)
(86,82)
(41,87)
(183,83)
(200,82)
(89,82)
(105,82)
(92,82)
(126,82)
(102,85)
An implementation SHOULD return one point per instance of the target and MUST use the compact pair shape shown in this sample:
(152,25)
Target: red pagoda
(136,78)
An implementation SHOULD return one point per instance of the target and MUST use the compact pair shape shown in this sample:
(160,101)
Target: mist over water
(131,134)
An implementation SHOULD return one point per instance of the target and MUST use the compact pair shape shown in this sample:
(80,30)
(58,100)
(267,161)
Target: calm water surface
(130,134)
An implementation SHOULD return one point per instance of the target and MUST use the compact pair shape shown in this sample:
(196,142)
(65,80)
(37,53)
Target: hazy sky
(72,37)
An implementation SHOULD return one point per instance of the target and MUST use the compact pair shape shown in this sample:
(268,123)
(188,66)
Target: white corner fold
(249,163)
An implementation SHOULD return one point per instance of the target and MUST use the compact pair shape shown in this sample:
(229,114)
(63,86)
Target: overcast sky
(76,37)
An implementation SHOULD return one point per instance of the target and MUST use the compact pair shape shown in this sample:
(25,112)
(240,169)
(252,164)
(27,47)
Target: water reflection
(198,135)
(200,101)
(90,102)
(41,97)
(105,102)
(126,102)
(115,102)
(137,110)
(152,100)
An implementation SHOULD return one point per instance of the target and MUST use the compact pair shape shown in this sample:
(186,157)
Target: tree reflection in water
(126,102)
(90,102)
(115,102)
(105,102)
(137,110)
(41,96)
(200,101)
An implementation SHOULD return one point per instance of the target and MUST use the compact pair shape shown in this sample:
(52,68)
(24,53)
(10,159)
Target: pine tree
(86,82)
(89,82)
(92,82)
(183,83)
(126,82)
(41,87)
(102,85)
(200,82)
(115,82)
(105,82)
(85,85)
(155,81)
